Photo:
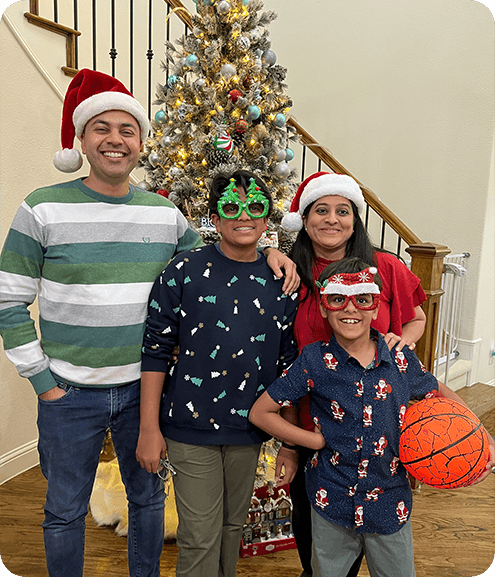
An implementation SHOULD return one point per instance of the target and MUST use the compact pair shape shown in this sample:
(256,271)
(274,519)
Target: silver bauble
(223,7)
(154,159)
(269,58)
(173,172)
(282,170)
(166,141)
(244,43)
(144,185)
(199,84)
(227,71)
(279,155)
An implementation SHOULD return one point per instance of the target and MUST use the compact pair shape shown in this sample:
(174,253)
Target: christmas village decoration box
(268,526)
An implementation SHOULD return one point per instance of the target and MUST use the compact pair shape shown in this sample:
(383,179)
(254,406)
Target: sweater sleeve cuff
(150,364)
(43,381)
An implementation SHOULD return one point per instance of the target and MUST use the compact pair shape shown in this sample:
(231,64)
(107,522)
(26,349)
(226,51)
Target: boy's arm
(444,391)
(151,445)
(265,415)
(287,457)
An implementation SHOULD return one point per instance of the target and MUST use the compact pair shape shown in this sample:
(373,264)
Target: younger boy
(227,312)
(361,498)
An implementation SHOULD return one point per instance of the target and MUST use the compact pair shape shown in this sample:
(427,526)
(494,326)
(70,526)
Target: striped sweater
(92,260)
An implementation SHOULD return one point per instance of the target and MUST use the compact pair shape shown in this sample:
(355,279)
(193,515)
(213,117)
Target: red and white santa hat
(316,186)
(90,93)
(349,284)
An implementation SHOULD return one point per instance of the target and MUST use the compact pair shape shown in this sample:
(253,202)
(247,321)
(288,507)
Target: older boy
(227,312)
(358,390)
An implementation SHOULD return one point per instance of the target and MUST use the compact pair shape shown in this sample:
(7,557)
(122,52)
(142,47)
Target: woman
(325,211)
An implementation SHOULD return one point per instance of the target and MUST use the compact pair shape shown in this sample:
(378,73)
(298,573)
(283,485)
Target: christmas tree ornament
(199,84)
(223,142)
(282,170)
(154,159)
(253,112)
(182,111)
(223,7)
(161,117)
(289,154)
(241,126)
(162,192)
(208,2)
(279,155)
(247,82)
(166,141)
(244,43)
(173,79)
(234,95)
(192,61)
(280,120)
(228,70)
(260,131)
(269,58)
(144,185)
(245,2)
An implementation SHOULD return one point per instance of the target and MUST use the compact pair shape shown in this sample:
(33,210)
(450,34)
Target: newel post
(427,264)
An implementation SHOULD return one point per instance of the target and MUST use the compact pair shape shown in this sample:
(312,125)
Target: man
(90,249)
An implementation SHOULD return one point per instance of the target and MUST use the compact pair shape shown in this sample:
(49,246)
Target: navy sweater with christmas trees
(233,325)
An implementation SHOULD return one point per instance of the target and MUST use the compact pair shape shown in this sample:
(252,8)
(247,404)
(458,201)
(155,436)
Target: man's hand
(278,261)
(286,465)
(52,394)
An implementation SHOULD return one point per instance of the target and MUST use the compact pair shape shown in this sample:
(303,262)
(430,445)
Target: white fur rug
(108,503)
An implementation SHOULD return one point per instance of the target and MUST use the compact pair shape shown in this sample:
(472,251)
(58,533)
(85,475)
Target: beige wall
(402,92)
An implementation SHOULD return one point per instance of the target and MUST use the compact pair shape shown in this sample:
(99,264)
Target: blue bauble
(192,60)
(280,120)
(172,80)
(289,154)
(253,112)
(245,2)
(161,117)
(209,2)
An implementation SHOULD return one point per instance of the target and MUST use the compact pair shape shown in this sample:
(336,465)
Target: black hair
(347,265)
(242,179)
(303,254)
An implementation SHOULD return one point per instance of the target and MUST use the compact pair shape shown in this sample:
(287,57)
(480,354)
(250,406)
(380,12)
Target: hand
(150,449)
(52,394)
(491,463)
(278,261)
(391,339)
(286,465)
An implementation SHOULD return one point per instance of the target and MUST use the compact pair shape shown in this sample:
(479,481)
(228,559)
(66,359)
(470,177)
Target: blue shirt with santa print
(356,480)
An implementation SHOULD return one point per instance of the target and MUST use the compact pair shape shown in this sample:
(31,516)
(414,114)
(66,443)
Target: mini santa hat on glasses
(90,93)
(316,186)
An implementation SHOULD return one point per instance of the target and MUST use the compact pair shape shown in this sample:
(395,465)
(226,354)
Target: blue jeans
(71,434)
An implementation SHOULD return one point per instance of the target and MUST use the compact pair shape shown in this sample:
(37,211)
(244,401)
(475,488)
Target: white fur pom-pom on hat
(68,160)
(292,222)
(90,93)
(316,186)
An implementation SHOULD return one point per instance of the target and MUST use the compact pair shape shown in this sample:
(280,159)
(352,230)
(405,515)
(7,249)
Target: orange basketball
(443,443)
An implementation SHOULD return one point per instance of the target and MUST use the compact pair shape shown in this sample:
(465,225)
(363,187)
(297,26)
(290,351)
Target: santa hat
(316,186)
(90,93)
(348,284)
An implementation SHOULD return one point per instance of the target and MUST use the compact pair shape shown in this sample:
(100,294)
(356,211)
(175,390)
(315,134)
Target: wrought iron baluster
(131,46)
(303,163)
(382,236)
(76,25)
(149,53)
(94,33)
(55,11)
(113,50)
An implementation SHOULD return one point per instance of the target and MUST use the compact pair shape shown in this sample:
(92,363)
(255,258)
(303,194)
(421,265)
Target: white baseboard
(19,460)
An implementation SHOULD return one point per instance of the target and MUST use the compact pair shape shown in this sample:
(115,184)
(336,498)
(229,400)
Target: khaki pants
(213,489)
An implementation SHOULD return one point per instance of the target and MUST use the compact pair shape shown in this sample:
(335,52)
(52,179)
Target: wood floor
(454,531)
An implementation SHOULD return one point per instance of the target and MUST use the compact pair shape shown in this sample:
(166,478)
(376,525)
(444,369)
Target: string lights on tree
(223,107)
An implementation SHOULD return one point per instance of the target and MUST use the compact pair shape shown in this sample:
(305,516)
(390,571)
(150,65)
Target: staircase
(169,19)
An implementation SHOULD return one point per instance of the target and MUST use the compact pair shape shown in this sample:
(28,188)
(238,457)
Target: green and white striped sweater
(92,260)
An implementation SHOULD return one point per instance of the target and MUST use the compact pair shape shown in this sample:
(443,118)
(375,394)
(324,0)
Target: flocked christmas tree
(223,108)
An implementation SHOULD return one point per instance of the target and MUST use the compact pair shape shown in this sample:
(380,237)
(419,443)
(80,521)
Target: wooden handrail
(182,12)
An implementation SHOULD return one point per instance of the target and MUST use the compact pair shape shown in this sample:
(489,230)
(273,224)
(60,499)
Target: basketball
(443,444)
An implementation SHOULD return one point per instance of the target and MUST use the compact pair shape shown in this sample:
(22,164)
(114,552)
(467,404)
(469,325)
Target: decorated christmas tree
(223,107)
